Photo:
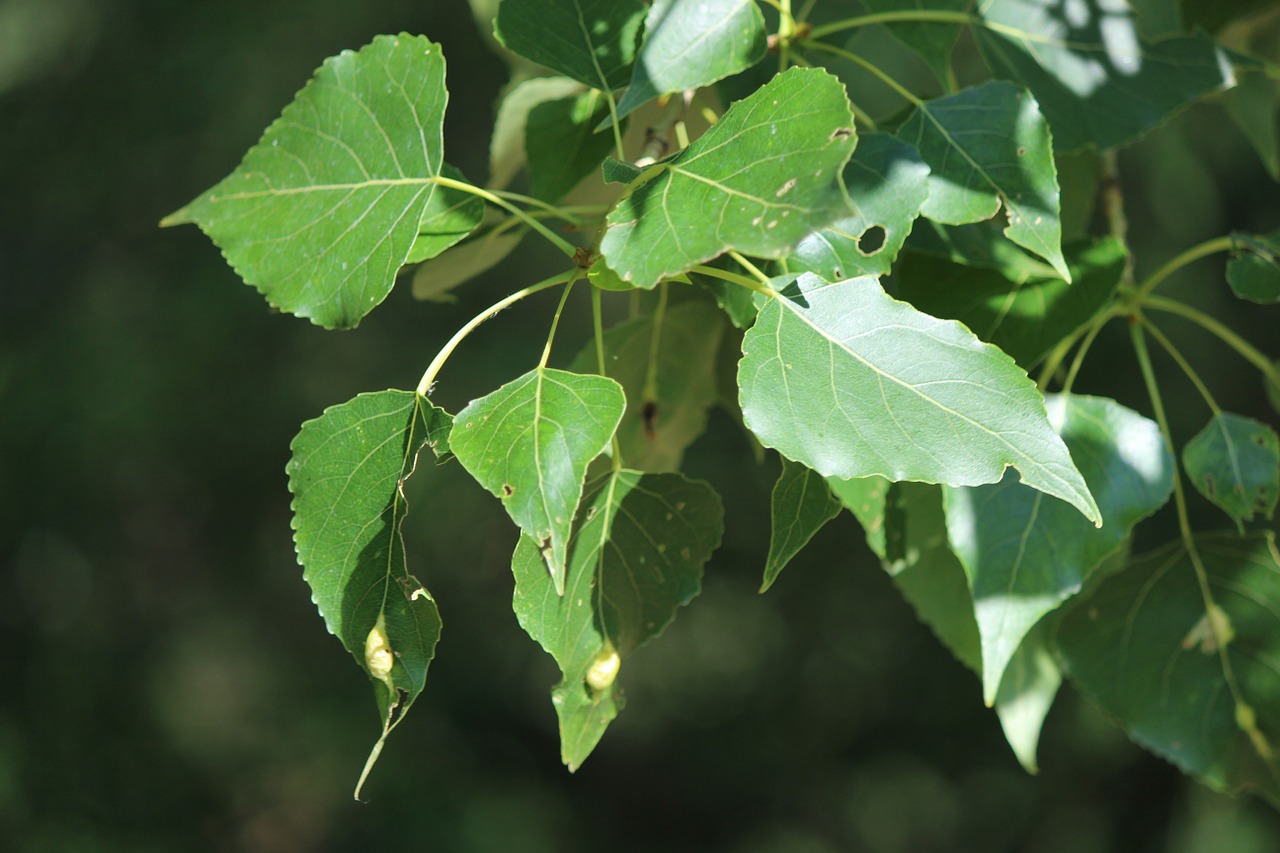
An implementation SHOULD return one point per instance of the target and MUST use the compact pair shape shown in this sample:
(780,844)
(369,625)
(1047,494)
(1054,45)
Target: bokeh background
(165,683)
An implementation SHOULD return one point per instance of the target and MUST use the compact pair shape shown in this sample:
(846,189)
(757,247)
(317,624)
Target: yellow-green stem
(928,16)
(555,322)
(1195,253)
(1182,363)
(734,278)
(560,243)
(433,369)
(1243,348)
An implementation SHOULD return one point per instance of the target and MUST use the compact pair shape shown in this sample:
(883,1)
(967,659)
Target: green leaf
(530,442)
(989,147)
(561,145)
(933,41)
(638,550)
(1254,269)
(1024,555)
(1254,105)
(854,383)
(433,280)
(450,216)
(1235,463)
(667,368)
(323,211)
(798,129)
(980,244)
(693,43)
(614,171)
(507,148)
(1027,691)
(1026,318)
(905,527)
(592,41)
(887,184)
(1145,649)
(346,477)
(1098,82)
(801,506)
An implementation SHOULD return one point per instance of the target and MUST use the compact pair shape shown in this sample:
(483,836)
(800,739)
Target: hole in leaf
(872,240)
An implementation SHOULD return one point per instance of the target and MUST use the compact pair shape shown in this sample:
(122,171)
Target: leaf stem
(1243,348)
(1177,356)
(1089,338)
(555,322)
(565,213)
(1195,253)
(734,278)
(874,70)
(597,323)
(615,123)
(429,378)
(1057,356)
(927,16)
(1188,539)
(749,267)
(560,243)
(650,393)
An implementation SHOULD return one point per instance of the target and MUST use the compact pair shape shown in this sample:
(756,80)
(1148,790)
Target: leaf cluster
(867,294)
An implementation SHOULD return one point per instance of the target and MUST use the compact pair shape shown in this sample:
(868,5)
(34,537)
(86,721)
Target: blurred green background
(165,683)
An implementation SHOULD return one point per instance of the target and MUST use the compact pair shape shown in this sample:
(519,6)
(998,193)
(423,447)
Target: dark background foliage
(165,682)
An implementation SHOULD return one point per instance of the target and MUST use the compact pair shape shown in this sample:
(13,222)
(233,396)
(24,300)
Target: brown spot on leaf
(508,490)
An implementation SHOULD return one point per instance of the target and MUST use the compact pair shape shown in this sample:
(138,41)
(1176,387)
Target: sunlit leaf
(693,43)
(667,368)
(1027,691)
(1147,650)
(346,476)
(799,130)
(988,147)
(887,184)
(801,505)
(639,545)
(1254,270)
(592,41)
(854,383)
(1025,555)
(1098,82)
(323,211)
(1235,463)
(1024,318)
(530,442)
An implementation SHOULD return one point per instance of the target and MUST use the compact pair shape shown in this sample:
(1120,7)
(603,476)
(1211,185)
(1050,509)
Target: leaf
(887,185)
(1098,82)
(450,216)
(1145,649)
(1024,555)
(1235,463)
(562,147)
(693,43)
(1254,269)
(530,442)
(933,41)
(433,280)
(1254,105)
(979,244)
(507,147)
(989,147)
(854,383)
(592,41)
(666,409)
(798,129)
(801,506)
(614,171)
(346,477)
(1024,318)
(905,527)
(323,211)
(1027,691)
(637,555)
